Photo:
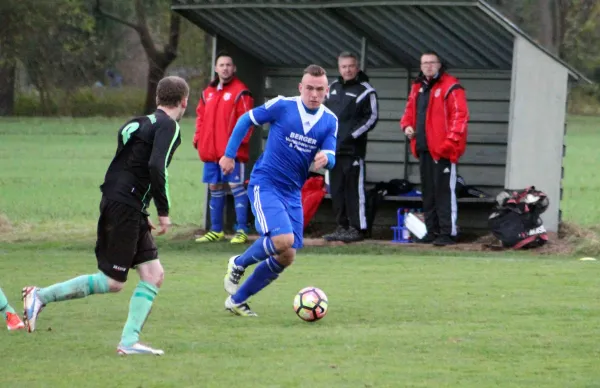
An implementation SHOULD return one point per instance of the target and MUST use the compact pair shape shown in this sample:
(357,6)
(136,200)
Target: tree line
(66,44)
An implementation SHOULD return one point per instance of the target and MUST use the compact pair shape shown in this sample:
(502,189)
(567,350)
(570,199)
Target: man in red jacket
(221,104)
(435,121)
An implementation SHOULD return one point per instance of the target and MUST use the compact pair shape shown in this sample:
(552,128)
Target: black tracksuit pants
(438,188)
(347,189)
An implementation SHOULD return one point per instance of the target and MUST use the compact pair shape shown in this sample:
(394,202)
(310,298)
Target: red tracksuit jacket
(446,120)
(217,113)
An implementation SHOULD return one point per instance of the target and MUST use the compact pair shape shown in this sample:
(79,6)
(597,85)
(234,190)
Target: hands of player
(320,160)
(410,132)
(151,225)
(164,223)
(227,165)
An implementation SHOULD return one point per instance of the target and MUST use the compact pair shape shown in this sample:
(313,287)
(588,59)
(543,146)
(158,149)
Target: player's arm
(328,148)
(458,113)
(258,116)
(408,120)
(369,113)
(245,102)
(199,119)
(458,116)
(165,138)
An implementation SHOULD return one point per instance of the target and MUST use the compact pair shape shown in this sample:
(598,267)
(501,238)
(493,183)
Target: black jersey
(138,172)
(354,102)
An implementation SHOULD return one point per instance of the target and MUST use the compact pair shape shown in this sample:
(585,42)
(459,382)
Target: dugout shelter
(516,89)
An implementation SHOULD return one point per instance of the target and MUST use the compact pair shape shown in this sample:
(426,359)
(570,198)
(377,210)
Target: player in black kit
(137,173)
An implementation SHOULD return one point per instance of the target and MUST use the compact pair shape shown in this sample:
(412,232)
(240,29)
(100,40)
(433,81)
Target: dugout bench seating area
(517,91)
(483,165)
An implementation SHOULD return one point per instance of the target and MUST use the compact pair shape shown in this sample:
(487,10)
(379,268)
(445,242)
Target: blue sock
(240,201)
(260,250)
(217,203)
(263,275)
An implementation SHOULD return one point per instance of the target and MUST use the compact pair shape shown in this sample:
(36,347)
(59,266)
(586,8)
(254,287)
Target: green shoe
(240,237)
(211,237)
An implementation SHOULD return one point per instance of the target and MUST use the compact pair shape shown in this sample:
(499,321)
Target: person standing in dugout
(221,104)
(354,102)
(435,120)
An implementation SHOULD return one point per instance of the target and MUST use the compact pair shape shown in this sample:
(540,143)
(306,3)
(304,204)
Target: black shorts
(124,239)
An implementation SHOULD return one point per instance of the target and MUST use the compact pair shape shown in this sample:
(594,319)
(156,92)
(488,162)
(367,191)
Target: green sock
(76,288)
(139,309)
(4,306)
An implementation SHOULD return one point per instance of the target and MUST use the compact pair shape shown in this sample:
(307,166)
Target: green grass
(394,321)
(398,318)
(582,177)
(52,170)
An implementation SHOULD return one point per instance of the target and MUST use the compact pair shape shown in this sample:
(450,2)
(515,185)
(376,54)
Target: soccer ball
(311,304)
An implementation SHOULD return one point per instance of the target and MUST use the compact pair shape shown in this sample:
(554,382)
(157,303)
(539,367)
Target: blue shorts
(213,173)
(275,214)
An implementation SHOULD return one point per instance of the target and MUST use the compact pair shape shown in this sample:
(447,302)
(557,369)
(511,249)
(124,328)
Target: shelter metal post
(213,57)
(363,53)
(406,141)
(206,188)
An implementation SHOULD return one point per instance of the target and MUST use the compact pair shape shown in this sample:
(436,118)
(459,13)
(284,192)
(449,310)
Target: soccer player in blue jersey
(302,132)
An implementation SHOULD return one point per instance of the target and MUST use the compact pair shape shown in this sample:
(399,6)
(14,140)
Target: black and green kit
(138,172)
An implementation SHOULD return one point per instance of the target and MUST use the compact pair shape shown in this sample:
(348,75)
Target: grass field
(398,318)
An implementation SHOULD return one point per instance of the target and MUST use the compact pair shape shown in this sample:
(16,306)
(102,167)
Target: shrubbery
(85,102)
(123,102)
(585,100)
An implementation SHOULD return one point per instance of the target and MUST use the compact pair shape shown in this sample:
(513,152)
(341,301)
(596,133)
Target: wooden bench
(473,214)
(412,199)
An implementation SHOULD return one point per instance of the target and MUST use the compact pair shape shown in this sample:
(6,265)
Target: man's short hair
(315,70)
(433,52)
(223,53)
(171,90)
(348,54)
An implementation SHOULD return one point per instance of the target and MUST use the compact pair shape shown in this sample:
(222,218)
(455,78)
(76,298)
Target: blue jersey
(295,136)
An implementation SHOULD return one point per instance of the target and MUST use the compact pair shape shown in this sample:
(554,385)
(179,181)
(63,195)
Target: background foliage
(56,56)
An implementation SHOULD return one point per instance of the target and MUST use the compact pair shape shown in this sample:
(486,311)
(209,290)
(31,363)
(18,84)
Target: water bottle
(405,231)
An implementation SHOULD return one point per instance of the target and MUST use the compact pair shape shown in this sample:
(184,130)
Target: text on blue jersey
(296,134)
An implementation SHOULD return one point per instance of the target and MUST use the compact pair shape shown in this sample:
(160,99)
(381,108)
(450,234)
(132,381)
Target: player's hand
(410,132)
(320,160)
(151,225)
(164,223)
(195,145)
(227,165)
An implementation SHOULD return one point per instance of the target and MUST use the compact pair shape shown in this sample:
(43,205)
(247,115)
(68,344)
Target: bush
(85,102)
(106,102)
(29,105)
(585,100)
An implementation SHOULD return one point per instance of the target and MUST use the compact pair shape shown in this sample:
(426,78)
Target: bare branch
(115,18)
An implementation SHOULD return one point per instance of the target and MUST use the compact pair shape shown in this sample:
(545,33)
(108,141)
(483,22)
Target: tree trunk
(7,88)
(156,71)
(158,61)
(562,12)
(547,27)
